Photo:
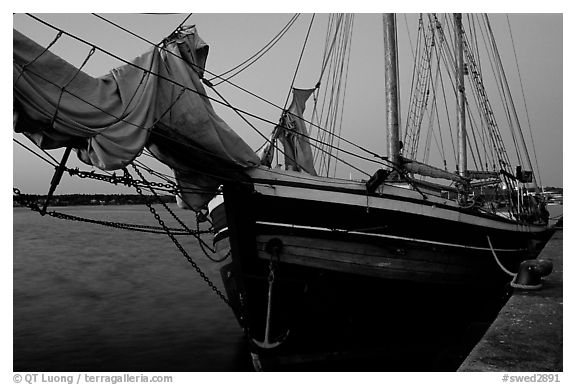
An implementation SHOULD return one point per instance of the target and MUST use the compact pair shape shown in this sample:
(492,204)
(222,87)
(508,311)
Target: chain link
(200,240)
(175,241)
(119,225)
(169,187)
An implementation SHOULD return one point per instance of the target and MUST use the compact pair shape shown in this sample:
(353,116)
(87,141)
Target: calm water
(556,211)
(93,298)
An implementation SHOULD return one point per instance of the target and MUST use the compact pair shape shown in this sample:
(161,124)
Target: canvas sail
(157,101)
(292,133)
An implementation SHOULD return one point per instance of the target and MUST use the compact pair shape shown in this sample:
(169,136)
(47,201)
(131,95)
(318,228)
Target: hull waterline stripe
(284,225)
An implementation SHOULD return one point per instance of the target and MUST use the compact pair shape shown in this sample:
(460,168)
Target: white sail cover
(157,101)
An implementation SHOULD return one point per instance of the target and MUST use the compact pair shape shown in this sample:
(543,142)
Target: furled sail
(416,167)
(107,121)
(157,101)
(292,133)
(473,174)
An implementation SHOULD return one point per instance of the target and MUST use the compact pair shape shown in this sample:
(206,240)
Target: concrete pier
(527,334)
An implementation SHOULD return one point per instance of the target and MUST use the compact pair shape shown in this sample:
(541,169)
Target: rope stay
(504,269)
(525,103)
(516,121)
(422,74)
(331,133)
(334,70)
(421,88)
(434,46)
(256,56)
(146,71)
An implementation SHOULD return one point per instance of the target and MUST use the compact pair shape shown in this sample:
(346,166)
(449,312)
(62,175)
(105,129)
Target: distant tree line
(558,190)
(128,199)
(96,199)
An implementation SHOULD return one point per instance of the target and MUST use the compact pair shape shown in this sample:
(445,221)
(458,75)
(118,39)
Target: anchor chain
(175,241)
(169,187)
(163,229)
(113,179)
(34,206)
(203,245)
(137,184)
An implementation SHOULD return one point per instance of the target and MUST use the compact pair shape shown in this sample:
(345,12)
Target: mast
(391,80)
(462,159)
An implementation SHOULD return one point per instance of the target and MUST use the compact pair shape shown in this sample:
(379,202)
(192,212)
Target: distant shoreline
(554,193)
(94,199)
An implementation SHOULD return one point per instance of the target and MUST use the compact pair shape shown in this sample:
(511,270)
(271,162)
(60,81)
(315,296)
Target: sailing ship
(392,228)
(309,255)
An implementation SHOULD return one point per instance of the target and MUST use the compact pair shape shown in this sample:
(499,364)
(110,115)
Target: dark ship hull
(321,271)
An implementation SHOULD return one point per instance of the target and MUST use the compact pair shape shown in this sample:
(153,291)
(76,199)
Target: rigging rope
(525,103)
(182,22)
(196,148)
(338,136)
(423,82)
(497,260)
(54,161)
(419,94)
(329,53)
(145,71)
(338,36)
(495,131)
(372,153)
(446,56)
(256,56)
(435,80)
(299,60)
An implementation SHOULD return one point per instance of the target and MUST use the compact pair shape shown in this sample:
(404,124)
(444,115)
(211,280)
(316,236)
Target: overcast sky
(232,38)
